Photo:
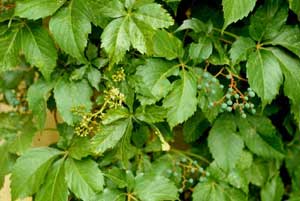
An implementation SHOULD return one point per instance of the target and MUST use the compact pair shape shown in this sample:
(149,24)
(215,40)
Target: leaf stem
(190,154)
(226,32)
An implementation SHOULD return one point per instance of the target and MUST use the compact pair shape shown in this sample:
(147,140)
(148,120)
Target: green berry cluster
(235,100)
(113,97)
(191,171)
(119,76)
(206,83)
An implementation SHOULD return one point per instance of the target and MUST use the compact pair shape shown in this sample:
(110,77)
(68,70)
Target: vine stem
(226,32)
(190,154)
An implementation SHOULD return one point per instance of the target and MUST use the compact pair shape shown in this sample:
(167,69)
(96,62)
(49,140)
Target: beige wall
(42,139)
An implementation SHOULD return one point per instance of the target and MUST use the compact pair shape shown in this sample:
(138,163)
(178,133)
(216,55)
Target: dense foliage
(153,100)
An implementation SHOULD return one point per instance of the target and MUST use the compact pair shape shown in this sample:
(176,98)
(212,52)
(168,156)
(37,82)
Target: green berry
(214,80)
(247,105)
(193,170)
(249,89)
(206,84)
(224,106)
(251,94)
(205,74)
(210,105)
(229,102)
(213,91)
(169,171)
(237,96)
(195,162)
(191,180)
(246,98)
(222,86)
(244,116)
(199,86)
(201,170)
(230,90)
(207,173)
(228,76)
(180,190)
(228,96)
(253,111)
(229,109)
(183,160)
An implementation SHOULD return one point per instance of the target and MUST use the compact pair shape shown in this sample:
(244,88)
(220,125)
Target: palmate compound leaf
(55,187)
(84,178)
(69,95)
(224,143)
(155,188)
(152,80)
(181,102)
(35,9)
(30,170)
(264,75)
(109,135)
(235,10)
(134,27)
(260,137)
(290,67)
(70,27)
(38,48)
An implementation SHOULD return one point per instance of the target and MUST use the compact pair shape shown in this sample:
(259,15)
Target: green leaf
(35,9)
(6,162)
(115,39)
(111,194)
(260,137)
(84,178)
(70,27)
(113,115)
(37,97)
(264,75)
(80,148)
(273,190)
(181,101)
(167,45)
(291,70)
(152,81)
(94,77)
(95,13)
(295,6)
(154,15)
(268,20)
(30,170)
(212,191)
(235,10)
(194,127)
(240,49)
(9,49)
(289,38)
(224,144)
(66,134)
(69,95)
(151,113)
(55,187)
(112,8)
(108,136)
(201,50)
(194,24)
(155,188)
(18,130)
